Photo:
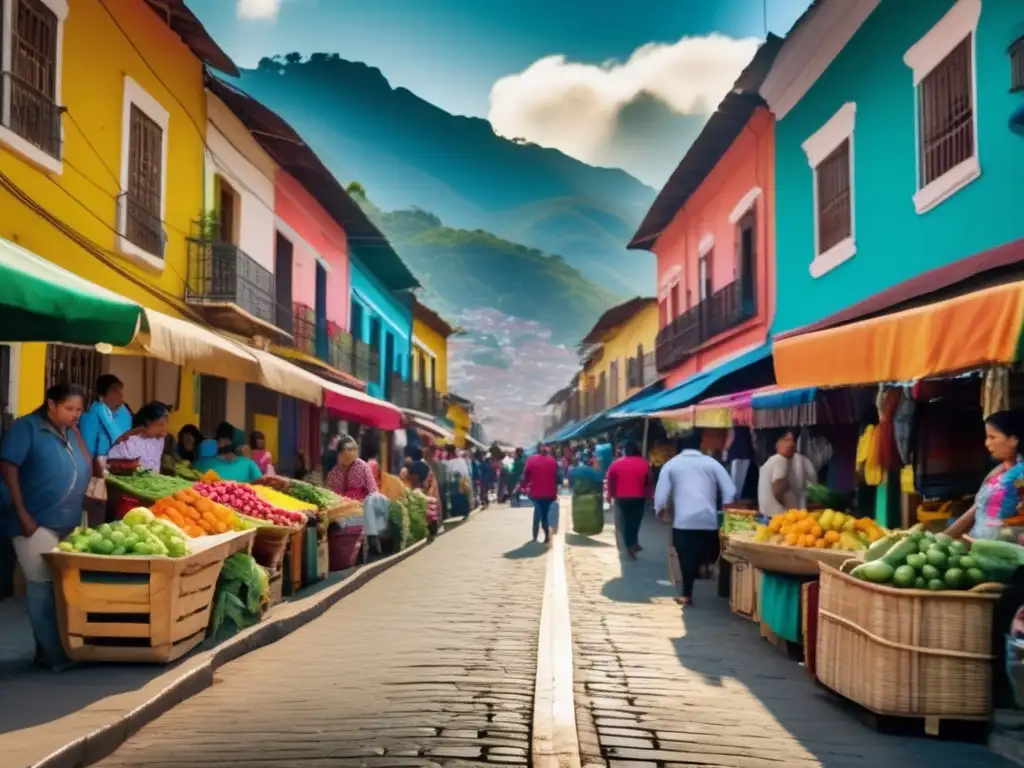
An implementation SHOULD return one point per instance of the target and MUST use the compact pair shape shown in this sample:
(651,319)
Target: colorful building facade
(382,318)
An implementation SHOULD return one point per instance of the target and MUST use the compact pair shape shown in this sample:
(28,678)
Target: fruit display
(321,498)
(283,500)
(148,486)
(921,559)
(139,534)
(827,529)
(243,499)
(823,496)
(737,523)
(196,515)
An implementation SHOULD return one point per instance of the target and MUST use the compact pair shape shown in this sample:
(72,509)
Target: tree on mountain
(269,64)
(293,58)
(355,189)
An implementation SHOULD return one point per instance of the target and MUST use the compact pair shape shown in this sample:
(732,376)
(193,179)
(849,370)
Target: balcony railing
(141,226)
(340,349)
(724,309)
(304,327)
(31,114)
(220,272)
(365,361)
(418,397)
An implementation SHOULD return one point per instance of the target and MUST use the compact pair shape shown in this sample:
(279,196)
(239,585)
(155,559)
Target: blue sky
(451,52)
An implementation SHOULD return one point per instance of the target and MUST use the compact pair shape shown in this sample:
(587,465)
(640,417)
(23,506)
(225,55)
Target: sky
(601,80)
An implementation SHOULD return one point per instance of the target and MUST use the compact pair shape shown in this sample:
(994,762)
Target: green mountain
(411,154)
(462,268)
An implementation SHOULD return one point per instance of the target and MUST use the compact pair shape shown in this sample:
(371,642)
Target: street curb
(102,742)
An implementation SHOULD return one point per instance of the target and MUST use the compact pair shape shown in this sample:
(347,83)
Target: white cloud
(576,107)
(258,9)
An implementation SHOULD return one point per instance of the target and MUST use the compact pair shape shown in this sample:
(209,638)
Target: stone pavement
(431,663)
(657,688)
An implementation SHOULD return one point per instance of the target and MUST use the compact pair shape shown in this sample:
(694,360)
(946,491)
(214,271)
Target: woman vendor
(46,470)
(353,479)
(227,460)
(146,439)
(189,440)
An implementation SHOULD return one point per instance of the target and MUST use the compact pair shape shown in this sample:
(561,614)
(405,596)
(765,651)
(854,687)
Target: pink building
(712,230)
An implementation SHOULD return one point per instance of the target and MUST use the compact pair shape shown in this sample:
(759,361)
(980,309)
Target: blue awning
(786,398)
(698,384)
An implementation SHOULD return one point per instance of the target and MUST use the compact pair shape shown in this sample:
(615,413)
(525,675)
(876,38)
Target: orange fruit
(793,539)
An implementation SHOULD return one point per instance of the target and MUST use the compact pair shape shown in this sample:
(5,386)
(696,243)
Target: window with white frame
(143,201)
(31,43)
(945,82)
(830,155)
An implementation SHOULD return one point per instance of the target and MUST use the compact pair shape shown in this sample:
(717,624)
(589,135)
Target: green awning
(40,301)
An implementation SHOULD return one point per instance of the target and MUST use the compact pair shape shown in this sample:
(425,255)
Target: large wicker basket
(905,652)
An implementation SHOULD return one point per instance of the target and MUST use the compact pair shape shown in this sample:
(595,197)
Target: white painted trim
(833,257)
(826,139)
(947,185)
(810,51)
(706,244)
(927,53)
(29,151)
(671,276)
(289,232)
(136,95)
(422,347)
(745,204)
(383,318)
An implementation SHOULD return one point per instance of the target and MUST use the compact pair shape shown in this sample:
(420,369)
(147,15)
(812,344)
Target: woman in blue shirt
(107,418)
(228,462)
(46,470)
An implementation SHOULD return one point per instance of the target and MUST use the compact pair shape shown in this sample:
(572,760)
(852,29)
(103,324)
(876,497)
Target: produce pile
(319,497)
(920,559)
(416,503)
(737,523)
(827,529)
(196,515)
(244,500)
(138,534)
(184,470)
(148,486)
(398,517)
(283,500)
(823,496)
(243,590)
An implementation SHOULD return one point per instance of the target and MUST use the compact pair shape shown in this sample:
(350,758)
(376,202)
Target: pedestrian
(422,479)
(540,482)
(689,490)
(459,478)
(515,474)
(146,440)
(46,469)
(783,480)
(629,487)
(440,472)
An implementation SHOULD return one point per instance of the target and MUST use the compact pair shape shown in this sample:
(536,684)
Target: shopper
(540,483)
(460,486)
(629,487)
(258,452)
(189,440)
(107,418)
(146,440)
(422,479)
(690,489)
(228,462)
(783,480)
(46,469)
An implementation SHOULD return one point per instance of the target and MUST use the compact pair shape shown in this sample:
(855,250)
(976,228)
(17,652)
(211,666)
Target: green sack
(587,514)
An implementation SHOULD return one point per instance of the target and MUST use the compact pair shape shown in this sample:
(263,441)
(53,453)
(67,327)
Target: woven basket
(905,652)
(270,544)
(795,561)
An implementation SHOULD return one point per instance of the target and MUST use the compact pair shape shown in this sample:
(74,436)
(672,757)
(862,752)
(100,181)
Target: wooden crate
(906,652)
(296,555)
(758,575)
(741,598)
(138,609)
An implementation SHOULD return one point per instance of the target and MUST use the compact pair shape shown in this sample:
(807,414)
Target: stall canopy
(969,331)
(608,419)
(428,425)
(183,343)
(740,372)
(42,302)
(350,404)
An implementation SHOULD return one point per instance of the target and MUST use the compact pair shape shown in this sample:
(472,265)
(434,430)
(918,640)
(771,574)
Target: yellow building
(430,334)
(460,414)
(618,355)
(101,156)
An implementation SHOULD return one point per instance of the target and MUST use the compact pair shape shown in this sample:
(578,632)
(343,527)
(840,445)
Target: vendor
(351,476)
(996,499)
(46,469)
(189,440)
(227,462)
(145,441)
(783,480)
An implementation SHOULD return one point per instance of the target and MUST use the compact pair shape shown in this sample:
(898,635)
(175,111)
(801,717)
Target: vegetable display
(184,470)
(827,529)
(244,500)
(920,559)
(243,590)
(735,523)
(823,496)
(138,534)
(415,503)
(313,494)
(283,500)
(148,486)
(197,515)
(399,520)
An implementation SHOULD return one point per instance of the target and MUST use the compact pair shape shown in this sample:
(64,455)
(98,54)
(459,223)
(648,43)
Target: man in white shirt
(692,487)
(784,478)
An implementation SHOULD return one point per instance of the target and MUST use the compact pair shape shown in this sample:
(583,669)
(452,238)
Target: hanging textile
(995,391)
(903,424)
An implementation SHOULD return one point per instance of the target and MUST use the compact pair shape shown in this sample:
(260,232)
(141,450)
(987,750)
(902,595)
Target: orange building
(711,228)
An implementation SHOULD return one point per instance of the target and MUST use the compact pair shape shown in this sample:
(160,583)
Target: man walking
(690,490)
(540,482)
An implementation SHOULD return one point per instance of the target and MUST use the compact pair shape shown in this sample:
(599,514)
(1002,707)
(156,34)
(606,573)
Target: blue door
(321,311)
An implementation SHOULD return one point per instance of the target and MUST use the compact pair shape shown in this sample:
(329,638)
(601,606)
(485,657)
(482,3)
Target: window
(74,365)
(213,403)
(705,271)
(144,177)
(31,37)
(746,261)
(356,320)
(1017,65)
(947,133)
(830,154)
(675,308)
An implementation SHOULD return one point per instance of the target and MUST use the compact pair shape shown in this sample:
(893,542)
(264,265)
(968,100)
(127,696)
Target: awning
(426,424)
(473,441)
(777,397)
(698,384)
(969,331)
(281,376)
(720,412)
(350,404)
(300,356)
(180,342)
(42,302)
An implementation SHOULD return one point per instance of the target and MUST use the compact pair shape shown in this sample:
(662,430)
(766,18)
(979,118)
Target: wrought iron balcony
(141,227)
(340,348)
(304,327)
(31,114)
(221,276)
(365,361)
(721,311)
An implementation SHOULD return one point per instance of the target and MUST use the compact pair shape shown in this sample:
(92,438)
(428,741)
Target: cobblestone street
(433,662)
(653,688)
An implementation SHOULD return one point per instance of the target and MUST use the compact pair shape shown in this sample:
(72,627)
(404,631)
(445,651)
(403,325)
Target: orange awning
(969,331)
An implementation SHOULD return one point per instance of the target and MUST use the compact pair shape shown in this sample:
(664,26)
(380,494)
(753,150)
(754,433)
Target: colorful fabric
(996,500)
(353,482)
(101,428)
